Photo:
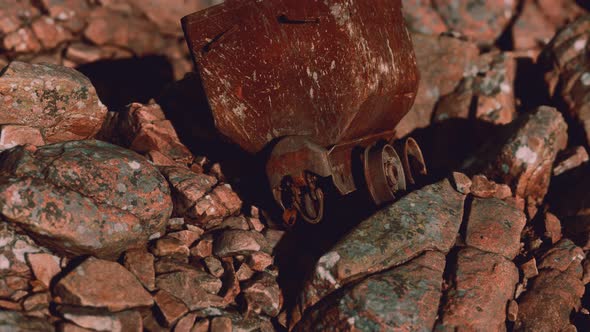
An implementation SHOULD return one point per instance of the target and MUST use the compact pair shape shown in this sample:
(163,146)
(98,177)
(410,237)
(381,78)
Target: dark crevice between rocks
(448,281)
(505,41)
(123,81)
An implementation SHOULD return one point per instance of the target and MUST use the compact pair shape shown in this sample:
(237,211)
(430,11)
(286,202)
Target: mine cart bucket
(328,76)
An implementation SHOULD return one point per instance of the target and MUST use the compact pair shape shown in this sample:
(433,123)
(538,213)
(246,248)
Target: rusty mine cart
(316,80)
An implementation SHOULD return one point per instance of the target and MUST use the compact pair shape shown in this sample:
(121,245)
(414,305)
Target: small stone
(512,311)
(239,223)
(236,242)
(273,237)
(214,266)
(37,301)
(204,248)
(81,53)
(117,322)
(159,159)
(244,272)
(221,324)
(175,224)
(503,191)
(263,295)
(185,324)
(529,269)
(201,326)
(44,267)
(171,308)
(259,261)
(49,33)
(172,264)
(187,187)
(13,135)
(169,246)
(187,237)
(102,284)
(462,183)
(482,187)
(256,224)
(10,305)
(196,289)
(552,227)
(141,264)
(23,41)
(570,160)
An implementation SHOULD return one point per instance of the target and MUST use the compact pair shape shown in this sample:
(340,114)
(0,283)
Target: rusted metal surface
(321,77)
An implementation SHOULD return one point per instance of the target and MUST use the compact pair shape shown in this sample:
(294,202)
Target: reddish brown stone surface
(30,96)
(482,286)
(102,284)
(82,182)
(555,292)
(494,226)
(141,264)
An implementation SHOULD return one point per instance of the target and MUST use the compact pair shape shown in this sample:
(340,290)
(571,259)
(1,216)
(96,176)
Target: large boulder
(61,102)
(83,197)
(405,298)
(426,219)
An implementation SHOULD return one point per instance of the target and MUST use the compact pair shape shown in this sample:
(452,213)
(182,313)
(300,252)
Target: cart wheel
(413,161)
(384,173)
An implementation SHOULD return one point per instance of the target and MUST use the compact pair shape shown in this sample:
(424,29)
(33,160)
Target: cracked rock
(58,192)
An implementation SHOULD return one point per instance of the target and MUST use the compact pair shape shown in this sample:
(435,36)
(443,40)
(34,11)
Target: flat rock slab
(426,219)
(495,226)
(483,284)
(405,298)
(84,197)
(59,101)
(102,284)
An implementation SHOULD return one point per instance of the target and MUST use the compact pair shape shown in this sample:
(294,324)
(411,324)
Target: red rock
(80,183)
(244,272)
(13,135)
(107,27)
(21,40)
(532,29)
(259,261)
(273,237)
(171,308)
(44,267)
(404,298)
(560,12)
(421,17)
(204,248)
(512,311)
(263,295)
(554,293)
(141,264)
(220,324)
(10,305)
(185,324)
(214,266)
(483,285)
(187,237)
(236,242)
(196,289)
(14,14)
(69,327)
(165,14)
(118,322)
(146,129)
(31,97)
(462,183)
(256,224)
(168,246)
(237,223)
(187,187)
(494,226)
(571,159)
(81,53)
(482,21)
(529,269)
(482,187)
(16,321)
(37,301)
(102,284)
(525,160)
(174,264)
(552,227)
(201,326)
(49,33)
(442,62)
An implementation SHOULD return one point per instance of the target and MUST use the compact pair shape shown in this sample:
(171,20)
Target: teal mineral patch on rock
(426,219)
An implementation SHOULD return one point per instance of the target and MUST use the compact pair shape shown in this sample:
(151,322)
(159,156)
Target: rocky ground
(124,213)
